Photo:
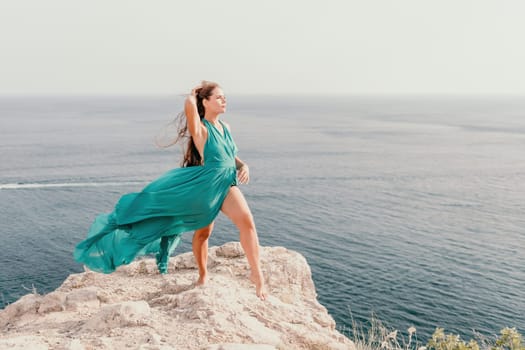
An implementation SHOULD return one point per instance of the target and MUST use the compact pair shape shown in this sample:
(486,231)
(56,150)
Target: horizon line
(282,94)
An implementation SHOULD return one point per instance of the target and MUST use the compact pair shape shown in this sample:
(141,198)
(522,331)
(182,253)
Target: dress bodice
(220,149)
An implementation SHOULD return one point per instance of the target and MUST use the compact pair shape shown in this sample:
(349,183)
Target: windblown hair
(191,154)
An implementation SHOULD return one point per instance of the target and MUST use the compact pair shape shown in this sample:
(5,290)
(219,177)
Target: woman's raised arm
(195,127)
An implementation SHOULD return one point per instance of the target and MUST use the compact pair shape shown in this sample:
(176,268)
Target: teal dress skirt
(153,220)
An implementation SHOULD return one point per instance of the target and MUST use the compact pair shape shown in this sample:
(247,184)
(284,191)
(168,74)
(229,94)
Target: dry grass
(379,337)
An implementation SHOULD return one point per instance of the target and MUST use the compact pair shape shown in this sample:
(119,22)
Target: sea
(409,209)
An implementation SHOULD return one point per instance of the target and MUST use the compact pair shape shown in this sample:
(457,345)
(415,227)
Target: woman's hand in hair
(193,93)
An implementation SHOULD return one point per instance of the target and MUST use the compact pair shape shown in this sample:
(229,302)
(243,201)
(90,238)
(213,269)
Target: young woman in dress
(181,200)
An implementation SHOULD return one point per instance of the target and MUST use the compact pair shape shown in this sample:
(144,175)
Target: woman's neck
(212,118)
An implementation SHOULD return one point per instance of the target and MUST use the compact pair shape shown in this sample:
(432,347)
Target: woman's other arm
(243,172)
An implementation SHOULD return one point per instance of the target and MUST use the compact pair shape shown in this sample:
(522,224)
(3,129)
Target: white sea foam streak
(19,186)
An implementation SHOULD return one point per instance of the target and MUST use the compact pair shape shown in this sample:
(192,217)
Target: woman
(181,200)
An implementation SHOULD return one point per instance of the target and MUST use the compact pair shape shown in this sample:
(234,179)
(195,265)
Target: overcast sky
(265,46)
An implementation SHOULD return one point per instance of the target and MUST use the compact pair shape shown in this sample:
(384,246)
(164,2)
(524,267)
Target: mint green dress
(153,220)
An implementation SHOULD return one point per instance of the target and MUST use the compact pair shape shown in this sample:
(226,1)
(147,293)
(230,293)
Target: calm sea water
(409,208)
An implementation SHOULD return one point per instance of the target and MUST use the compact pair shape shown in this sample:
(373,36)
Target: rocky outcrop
(137,308)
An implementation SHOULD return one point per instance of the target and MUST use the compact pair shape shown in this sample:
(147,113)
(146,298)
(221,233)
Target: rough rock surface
(137,308)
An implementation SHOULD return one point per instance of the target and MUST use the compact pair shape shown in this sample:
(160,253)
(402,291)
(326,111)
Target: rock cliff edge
(137,308)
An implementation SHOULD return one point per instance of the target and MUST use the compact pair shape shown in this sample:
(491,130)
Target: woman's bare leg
(200,251)
(237,210)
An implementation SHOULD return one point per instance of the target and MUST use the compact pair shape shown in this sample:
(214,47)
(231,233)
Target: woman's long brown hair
(191,154)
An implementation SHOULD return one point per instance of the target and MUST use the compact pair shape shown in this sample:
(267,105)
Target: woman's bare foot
(202,280)
(260,286)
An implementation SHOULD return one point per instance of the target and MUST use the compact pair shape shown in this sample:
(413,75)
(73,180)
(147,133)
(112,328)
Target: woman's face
(216,103)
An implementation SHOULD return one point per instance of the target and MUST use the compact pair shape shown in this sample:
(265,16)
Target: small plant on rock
(442,341)
(509,339)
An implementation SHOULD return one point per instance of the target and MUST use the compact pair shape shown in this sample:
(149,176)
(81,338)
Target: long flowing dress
(153,220)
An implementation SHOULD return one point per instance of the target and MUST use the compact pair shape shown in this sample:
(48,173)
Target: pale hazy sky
(264,46)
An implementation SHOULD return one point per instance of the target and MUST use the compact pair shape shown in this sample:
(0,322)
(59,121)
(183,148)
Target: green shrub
(509,339)
(379,337)
(440,341)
